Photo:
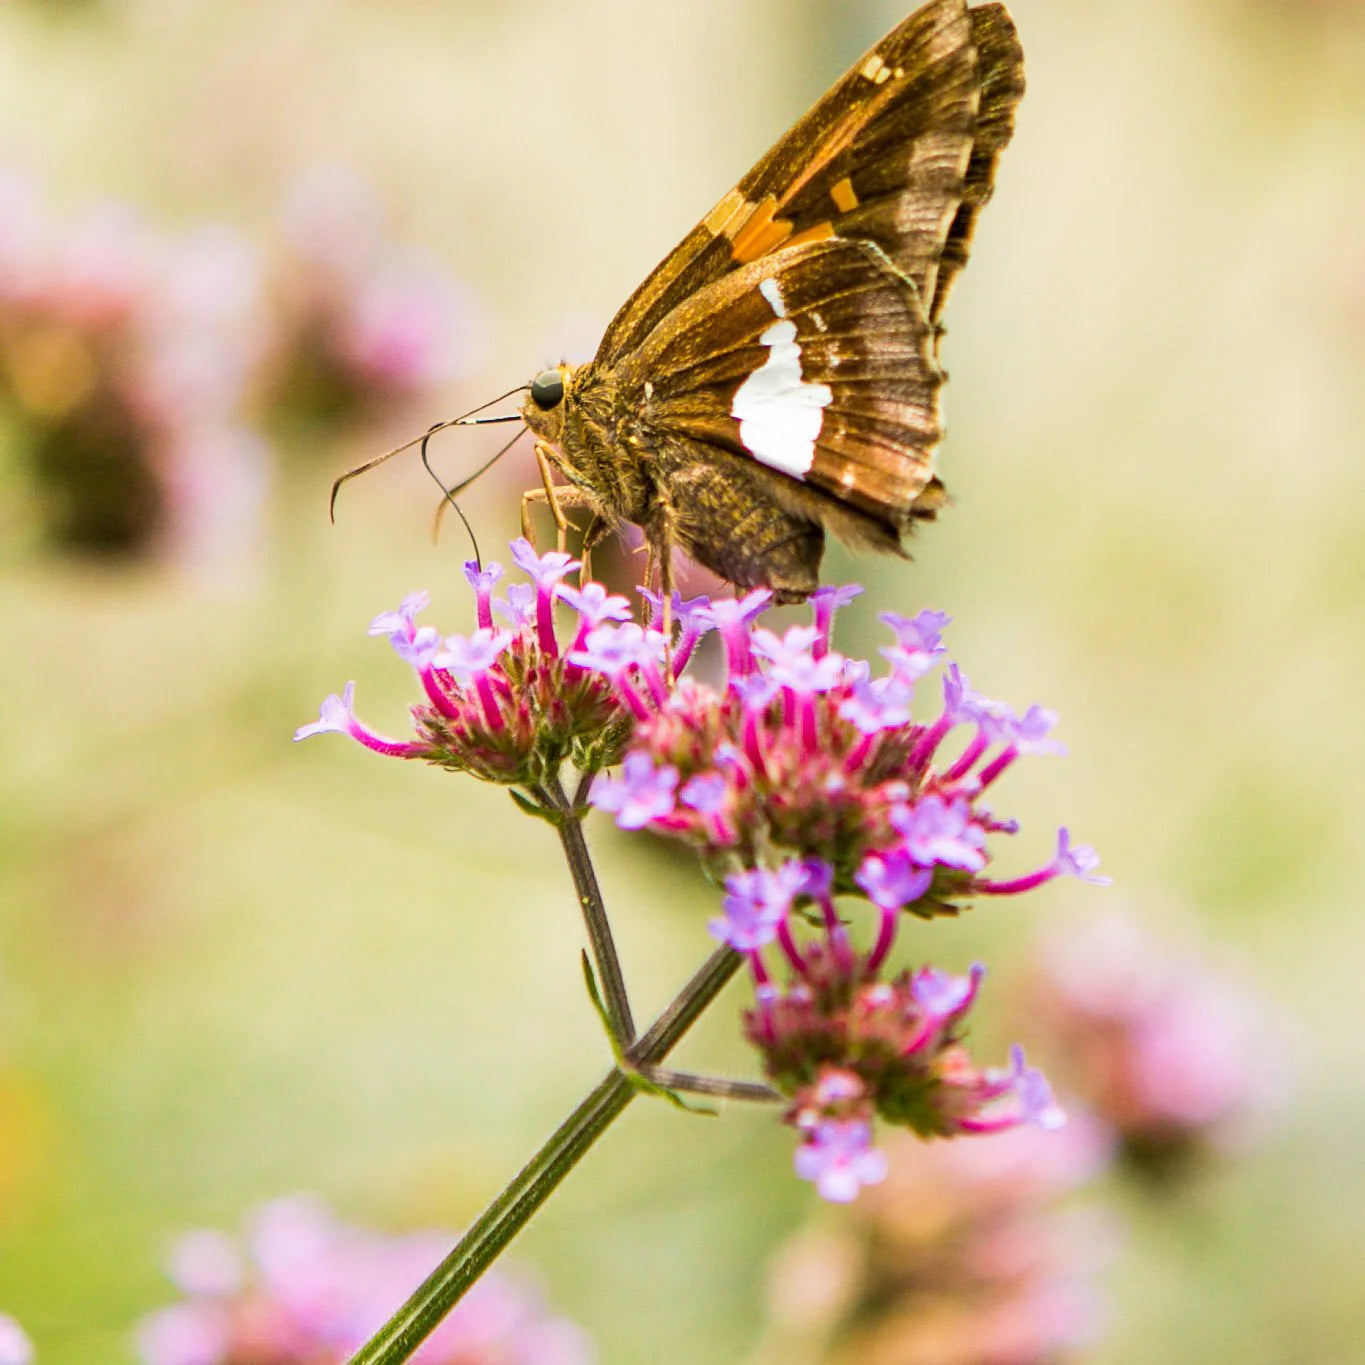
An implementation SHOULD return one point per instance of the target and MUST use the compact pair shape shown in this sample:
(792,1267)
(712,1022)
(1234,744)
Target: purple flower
(415,645)
(732,617)
(401,622)
(878,704)
(892,880)
(998,1099)
(518,608)
(467,657)
(963,704)
(615,649)
(935,830)
(705,793)
(545,571)
(942,996)
(791,663)
(839,1157)
(641,794)
(1029,733)
(595,606)
(483,579)
(757,903)
(918,642)
(824,602)
(337,714)
(1079,862)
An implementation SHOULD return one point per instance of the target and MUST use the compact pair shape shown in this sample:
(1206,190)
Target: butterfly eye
(547,389)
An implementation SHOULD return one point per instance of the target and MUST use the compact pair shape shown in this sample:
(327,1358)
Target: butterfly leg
(557,501)
(553,496)
(595,533)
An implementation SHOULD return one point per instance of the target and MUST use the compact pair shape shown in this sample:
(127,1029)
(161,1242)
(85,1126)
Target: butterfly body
(777,376)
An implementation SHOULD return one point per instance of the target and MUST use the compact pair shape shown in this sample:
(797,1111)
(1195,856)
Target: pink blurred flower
(359,327)
(307,1289)
(123,357)
(1172,1053)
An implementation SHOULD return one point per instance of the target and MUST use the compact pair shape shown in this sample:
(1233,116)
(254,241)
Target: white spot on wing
(779,414)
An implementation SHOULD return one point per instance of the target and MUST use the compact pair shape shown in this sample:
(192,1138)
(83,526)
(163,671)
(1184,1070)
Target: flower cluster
(508,703)
(15,1347)
(1174,1055)
(360,328)
(309,1290)
(123,359)
(800,780)
(805,778)
(969,1252)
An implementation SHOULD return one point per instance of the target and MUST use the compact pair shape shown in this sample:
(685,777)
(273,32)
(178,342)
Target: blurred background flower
(305,1289)
(235,966)
(970,1253)
(1175,1056)
(360,329)
(123,357)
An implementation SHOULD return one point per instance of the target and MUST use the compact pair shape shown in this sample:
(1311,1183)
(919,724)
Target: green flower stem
(570,826)
(512,1209)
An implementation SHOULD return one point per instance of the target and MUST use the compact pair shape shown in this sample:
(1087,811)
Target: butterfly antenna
(469,419)
(448,495)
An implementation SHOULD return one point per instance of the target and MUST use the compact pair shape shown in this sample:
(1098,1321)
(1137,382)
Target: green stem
(512,1209)
(604,956)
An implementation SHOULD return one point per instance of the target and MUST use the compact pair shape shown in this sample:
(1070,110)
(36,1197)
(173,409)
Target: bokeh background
(231,968)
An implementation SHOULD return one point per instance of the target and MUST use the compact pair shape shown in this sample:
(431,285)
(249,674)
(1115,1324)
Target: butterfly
(777,376)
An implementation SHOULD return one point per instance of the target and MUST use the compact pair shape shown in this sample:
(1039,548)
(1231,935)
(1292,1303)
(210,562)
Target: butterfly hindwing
(816,361)
(888,156)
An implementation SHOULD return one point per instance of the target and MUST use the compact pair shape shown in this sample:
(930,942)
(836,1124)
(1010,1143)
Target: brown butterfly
(777,376)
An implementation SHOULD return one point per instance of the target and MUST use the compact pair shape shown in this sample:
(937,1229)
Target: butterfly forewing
(885,156)
(815,361)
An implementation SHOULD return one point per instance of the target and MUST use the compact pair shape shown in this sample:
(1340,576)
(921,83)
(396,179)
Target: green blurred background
(231,968)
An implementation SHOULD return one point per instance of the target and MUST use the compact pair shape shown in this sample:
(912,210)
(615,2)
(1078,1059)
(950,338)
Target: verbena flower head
(306,1289)
(509,704)
(801,780)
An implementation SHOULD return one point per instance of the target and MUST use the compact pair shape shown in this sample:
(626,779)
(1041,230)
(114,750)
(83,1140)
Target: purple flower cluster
(309,1290)
(508,703)
(123,361)
(805,778)
(802,779)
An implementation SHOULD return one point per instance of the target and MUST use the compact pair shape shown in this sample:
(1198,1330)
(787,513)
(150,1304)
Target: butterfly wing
(1002,87)
(890,155)
(815,360)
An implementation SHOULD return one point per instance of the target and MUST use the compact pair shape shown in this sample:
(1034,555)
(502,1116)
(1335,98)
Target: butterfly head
(543,409)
